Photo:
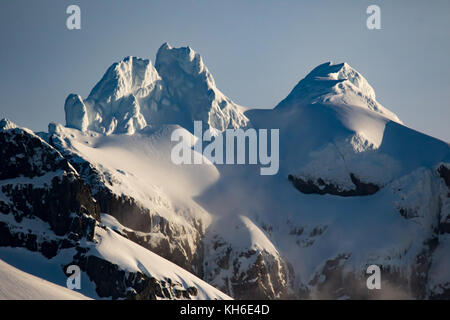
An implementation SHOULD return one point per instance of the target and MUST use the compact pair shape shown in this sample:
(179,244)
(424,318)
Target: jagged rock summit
(133,93)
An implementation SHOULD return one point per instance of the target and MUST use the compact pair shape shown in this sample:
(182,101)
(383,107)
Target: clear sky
(256,50)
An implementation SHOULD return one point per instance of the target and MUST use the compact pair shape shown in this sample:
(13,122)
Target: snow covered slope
(333,129)
(133,93)
(18,285)
(131,257)
(49,220)
(134,179)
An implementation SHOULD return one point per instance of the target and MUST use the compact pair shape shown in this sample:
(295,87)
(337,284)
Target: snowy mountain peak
(6,124)
(192,87)
(342,72)
(126,77)
(133,93)
(184,60)
(337,84)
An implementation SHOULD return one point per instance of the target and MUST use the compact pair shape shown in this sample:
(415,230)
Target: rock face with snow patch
(46,207)
(241,261)
(177,238)
(40,187)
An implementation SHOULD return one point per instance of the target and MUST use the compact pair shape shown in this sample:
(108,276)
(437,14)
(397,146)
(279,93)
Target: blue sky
(256,50)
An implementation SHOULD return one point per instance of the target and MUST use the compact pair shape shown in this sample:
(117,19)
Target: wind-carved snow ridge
(133,94)
(337,84)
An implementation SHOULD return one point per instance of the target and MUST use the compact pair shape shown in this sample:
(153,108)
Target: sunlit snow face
(235,151)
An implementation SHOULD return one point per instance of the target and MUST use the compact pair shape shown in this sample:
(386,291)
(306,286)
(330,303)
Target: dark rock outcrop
(40,185)
(24,154)
(266,277)
(113,282)
(444,223)
(321,187)
(444,173)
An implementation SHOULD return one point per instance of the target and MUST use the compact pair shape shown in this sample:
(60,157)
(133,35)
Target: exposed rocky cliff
(46,207)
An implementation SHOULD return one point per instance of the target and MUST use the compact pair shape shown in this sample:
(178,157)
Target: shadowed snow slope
(18,285)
